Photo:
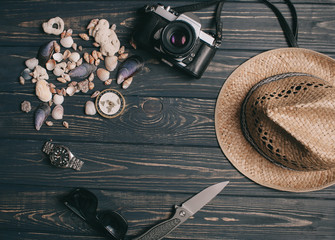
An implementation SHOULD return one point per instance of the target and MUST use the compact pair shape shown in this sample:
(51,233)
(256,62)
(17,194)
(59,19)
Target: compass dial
(110,103)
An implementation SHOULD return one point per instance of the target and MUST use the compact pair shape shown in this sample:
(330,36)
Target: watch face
(59,156)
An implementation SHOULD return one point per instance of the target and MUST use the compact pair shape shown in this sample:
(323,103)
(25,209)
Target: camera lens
(178,38)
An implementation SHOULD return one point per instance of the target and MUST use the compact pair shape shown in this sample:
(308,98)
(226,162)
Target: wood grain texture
(163,148)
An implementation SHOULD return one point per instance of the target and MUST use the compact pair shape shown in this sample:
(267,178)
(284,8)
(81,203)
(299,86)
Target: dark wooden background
(163,149)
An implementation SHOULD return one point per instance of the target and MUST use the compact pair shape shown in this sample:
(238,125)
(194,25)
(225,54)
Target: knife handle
(162,229)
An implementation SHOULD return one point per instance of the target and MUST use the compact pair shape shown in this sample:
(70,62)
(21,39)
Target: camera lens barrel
(178,38)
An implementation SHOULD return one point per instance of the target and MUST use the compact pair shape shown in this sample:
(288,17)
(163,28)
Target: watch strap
(75,163)
(47,148)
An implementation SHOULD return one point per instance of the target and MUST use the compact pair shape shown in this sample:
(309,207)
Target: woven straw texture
(314,172)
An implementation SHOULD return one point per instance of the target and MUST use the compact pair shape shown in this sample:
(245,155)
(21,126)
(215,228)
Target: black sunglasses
(84,203)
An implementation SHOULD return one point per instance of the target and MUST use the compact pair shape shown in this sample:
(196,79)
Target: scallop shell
(74,57)
(43,91)
(102,74)
(66,42)
(90,108)
(58,57)
(58,99)
(50,65)
(31,63)
(58,112)
(110,63)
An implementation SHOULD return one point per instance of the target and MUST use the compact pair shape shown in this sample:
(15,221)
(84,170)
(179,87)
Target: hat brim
(227,117)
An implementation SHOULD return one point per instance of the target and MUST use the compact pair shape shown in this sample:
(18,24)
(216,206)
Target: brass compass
(110,103)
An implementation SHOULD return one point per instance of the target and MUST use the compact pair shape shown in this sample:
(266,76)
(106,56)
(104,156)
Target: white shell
(60,69)
(58,99)
(110,63)
(31,63)
(50,65)
(74,57)
(102,74)
(42,91)
(66,42)
(58,56)
(57,112)
(54,26)
(71,90)
(40,73)
(90,108)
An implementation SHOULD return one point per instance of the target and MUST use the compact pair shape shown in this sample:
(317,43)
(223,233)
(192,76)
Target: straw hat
(275,119)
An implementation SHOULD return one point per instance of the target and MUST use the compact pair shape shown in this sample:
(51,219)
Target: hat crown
(290,119)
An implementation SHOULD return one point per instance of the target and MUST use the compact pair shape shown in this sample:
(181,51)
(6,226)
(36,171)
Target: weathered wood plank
(146,168)
(247,24)
(40,213)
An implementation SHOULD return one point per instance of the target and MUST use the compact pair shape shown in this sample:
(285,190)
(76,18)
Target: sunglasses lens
(83,203)
(114,223)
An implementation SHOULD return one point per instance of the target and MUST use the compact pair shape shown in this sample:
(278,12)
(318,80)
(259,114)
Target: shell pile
(73,67)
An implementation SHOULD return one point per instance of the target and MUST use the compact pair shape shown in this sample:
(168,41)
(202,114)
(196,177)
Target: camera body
(176,38)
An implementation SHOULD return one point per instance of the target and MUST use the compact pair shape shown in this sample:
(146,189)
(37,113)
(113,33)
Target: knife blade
(183,212)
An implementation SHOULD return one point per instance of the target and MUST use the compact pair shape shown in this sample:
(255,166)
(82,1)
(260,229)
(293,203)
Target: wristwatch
(61,156)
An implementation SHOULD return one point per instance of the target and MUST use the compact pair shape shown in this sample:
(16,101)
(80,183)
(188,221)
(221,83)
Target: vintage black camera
(176,38)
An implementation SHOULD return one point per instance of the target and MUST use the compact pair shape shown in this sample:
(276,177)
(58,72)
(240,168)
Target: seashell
(103,74)
(66,54)
(58,57)
(91,77)
(66,77)
(90,85)
(97,62)
(110,63)
(53,26)
(40,73)
(66,124)
(129,67)
(95,44)
(58,99)
(79,62)
(26,74)
(123,56)
(61,79)
(83,86)
(50,65)
(71,90)
(62,35)
(49,123)
(71,65)
(84,36)
(108,82)
(82,71)
(45,52)
(74,57)
(95,94)
(56,47)
(94,54)
(25,106)
(42,91)
(91,59)
(121,50)
(31,63)
(22,80)
(86,57)
(90,108)
(80,48)
(69,33)
(58,112)
(66,42)
(127,83)
(60,69)
(41,114)
(74,46)
(93,23)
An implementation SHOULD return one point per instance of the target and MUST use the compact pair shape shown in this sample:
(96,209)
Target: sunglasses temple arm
(74,210)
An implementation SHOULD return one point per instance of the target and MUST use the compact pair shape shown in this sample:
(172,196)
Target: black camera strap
(291,34)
